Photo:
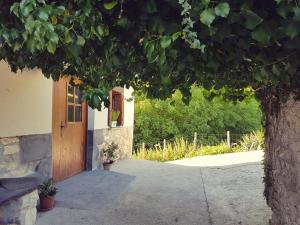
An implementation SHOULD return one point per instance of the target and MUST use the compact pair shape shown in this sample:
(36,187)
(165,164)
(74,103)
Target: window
(74,104)
(116,109)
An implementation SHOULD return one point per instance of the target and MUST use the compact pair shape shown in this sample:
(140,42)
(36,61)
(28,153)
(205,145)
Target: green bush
(156,120)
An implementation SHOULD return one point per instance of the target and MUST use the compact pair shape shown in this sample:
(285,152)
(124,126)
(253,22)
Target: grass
(181,148)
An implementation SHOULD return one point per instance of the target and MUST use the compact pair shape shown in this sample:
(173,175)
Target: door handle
(62,125)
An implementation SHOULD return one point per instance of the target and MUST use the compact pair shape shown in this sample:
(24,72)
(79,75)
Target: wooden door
(68,131)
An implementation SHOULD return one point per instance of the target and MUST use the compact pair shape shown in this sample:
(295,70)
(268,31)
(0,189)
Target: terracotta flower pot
(46,203)
(107,165)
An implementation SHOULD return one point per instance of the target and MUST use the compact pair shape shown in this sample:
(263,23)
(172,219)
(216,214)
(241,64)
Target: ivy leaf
(283,9)
(275,70)
(17,46)
(222,9)
(162,57)
(80,40)
(100,30)
(165,41)
(26,8)
(205,2)
(110,5)
(261,34)
(15,9)
(149,50)
(208,16)
(297,14)
(293,29)
(67,37)
(30,45)
(176,35)
(252,19)
(51,47)
(43,14)
(53,37)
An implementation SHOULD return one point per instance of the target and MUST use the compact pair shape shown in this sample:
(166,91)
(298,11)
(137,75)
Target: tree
(162,45)
(156,120)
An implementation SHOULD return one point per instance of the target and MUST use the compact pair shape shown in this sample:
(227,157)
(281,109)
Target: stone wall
(21,211)
(98,139)
(24,155)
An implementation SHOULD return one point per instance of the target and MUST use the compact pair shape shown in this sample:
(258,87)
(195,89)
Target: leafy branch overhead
(157,46)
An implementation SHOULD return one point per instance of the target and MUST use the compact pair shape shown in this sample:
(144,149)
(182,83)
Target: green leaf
(162,57)
(29,25)
(26,9)
(80,40)
(149,50)
(176,35)
(59,10)
(165,41)
(53,37)
(95,100)
(222,9)
(43,14)
(293,29)
(275,70)
(15,9)
(30,45)
(261,34)
(17,46)
(207,17)
(123,22)
(206,2)
(67,37)
(110,5)
(283,9)
(74,50)
(297,14)
(51,47)
(101,31)
(252,19)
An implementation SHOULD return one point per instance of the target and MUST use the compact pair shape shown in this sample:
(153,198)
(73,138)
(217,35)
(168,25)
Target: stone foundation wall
(24,155)
(97,139)
(21,211)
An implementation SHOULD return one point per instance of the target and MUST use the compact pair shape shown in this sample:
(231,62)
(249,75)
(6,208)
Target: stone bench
(18,200)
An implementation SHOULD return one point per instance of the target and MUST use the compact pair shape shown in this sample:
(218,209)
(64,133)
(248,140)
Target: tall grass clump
(252,142)
(182,148)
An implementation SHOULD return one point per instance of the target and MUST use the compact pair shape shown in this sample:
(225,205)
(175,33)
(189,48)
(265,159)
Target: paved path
(210,190)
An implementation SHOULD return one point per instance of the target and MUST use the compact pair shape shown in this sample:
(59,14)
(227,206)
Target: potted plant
(114,117)
(47,192)
(109,155)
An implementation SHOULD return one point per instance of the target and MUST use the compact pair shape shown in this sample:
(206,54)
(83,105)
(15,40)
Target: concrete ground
(210,190)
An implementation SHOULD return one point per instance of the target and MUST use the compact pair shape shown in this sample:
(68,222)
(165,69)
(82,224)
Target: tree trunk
(282,157)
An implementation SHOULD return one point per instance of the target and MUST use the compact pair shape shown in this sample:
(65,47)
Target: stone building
(46,129)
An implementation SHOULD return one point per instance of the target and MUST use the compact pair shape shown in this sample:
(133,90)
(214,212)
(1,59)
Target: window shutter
(110,108)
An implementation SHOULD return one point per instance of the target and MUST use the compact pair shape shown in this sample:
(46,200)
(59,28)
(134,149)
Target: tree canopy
(155,45)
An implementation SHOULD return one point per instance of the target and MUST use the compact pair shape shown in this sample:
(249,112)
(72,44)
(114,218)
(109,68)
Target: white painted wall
(25,102)
(99,119)
(128,107)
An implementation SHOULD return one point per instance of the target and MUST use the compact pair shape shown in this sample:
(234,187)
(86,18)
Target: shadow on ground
(198,191)
(92,189)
